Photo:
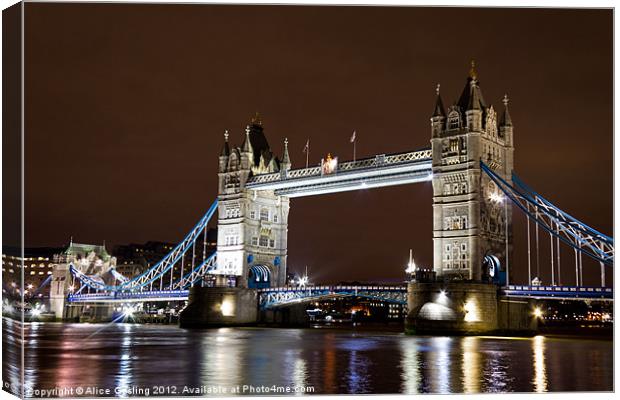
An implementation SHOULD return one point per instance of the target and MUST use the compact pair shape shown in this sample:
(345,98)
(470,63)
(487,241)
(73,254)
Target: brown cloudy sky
(126,106)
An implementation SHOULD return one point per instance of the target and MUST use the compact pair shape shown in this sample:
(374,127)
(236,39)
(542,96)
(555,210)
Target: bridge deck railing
(381,160)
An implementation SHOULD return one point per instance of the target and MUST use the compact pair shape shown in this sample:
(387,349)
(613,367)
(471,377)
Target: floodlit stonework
(469,218)
(252,224)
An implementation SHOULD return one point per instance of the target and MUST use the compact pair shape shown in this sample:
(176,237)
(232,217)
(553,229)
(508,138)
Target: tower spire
(256,119)
(439,110)
(246,147)
(225,149)
(472,71)
(471,97)
(505,119)
(285,157)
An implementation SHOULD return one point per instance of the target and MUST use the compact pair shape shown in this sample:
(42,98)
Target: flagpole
(354,149)
(307,155)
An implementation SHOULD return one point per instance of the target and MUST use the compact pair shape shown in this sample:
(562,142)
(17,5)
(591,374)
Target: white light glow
(129,311)
(540,370)
(538,313)
(496,197)
(228,307)
(303,281)
(471,311)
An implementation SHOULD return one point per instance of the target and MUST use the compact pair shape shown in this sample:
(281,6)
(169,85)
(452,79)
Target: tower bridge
(378,171)
(470,164)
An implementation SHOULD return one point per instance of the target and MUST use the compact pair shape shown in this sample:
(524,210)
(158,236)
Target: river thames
(131,360)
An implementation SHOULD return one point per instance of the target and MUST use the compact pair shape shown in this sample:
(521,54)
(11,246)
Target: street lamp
(303,281)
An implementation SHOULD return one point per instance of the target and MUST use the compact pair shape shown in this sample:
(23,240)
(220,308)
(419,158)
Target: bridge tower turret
(252,225)
(472,221)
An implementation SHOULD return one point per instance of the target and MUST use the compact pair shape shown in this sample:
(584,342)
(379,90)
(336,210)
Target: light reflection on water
(331,361)
(470,364)
(540,374)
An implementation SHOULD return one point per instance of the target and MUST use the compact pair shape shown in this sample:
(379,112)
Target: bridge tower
(252,225)
(470,216)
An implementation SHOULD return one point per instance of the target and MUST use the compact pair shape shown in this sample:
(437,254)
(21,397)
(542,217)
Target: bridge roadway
(380,170)
(283,296)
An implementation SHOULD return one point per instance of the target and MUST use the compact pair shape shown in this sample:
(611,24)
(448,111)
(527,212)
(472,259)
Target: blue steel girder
(161,268)
(559,292)
(568,229)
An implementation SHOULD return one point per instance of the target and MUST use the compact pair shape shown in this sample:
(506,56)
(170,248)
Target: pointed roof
(285,157)
(246,147)
(85,249)
(225,149)
(257,141)
(471,98)
(505,119)
(439,110)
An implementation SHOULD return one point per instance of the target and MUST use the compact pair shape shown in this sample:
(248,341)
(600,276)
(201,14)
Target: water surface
(127,359)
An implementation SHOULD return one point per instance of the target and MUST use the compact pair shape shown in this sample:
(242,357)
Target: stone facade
(252,225)
(469,219)
(455,307)
(91,260)
(219,306)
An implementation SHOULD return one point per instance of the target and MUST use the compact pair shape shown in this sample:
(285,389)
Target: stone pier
(463,308)
(220,306)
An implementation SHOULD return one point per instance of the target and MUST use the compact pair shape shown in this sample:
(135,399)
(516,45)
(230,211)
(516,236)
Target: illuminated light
(411,267)
(538,313)
(228,307)
(471,311)
(364,185)
(303,281)
(35,312)
(30,286)
(128,312)
(436,312)
(496,197)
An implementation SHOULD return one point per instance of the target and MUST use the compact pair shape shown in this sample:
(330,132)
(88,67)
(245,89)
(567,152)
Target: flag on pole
(307,151)
(353,141)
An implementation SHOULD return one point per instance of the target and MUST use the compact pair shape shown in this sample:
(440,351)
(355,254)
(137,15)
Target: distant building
(40,263)
(133,259)
(37,263)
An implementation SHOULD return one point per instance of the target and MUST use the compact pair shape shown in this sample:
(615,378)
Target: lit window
(32,272)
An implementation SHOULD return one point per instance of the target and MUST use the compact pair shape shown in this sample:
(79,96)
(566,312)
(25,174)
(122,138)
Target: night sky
(126,106)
